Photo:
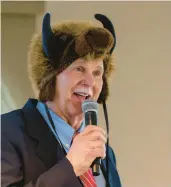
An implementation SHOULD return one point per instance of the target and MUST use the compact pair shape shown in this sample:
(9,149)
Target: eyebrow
(100,68)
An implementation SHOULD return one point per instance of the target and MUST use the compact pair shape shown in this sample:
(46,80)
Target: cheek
(98,87)
(62,84)
(65,82)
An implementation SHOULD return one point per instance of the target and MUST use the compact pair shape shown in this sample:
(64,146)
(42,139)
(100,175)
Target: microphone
(90,109)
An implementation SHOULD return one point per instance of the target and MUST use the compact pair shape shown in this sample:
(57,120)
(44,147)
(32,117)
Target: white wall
(17,27)
(16,34)
(139,106)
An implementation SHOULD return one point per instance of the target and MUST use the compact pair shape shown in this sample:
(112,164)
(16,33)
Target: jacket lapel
(48,148)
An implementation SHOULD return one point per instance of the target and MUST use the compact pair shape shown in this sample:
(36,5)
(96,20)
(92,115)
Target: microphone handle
(96,166)
(91,119)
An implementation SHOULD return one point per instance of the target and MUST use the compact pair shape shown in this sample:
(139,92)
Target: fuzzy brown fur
(87,37)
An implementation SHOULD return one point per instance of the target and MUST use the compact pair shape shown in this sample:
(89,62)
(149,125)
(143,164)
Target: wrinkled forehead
(90,62)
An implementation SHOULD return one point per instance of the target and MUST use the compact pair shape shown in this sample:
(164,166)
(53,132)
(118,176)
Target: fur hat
(57,47)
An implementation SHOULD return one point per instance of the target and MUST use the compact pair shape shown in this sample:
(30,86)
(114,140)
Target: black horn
(47,34)
(107,24)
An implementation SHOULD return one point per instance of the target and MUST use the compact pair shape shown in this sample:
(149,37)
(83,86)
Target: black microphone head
(89,105)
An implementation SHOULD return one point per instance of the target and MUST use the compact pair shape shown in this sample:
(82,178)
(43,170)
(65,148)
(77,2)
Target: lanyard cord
(52,124)
(107,148)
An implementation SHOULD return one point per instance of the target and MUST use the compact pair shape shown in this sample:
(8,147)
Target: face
(80,81)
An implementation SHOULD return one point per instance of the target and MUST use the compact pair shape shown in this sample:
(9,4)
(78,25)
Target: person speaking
(55,139)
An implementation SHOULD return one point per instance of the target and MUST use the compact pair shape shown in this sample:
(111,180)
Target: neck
(74,121)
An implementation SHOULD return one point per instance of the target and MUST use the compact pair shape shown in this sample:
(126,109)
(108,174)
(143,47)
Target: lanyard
(52,125)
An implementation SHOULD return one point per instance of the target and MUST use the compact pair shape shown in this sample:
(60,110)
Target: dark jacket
(32,157)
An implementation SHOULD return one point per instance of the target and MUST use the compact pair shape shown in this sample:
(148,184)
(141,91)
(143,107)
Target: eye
(79,69)
(98,73)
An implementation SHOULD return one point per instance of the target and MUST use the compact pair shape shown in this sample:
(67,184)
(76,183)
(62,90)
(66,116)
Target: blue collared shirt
(65,133)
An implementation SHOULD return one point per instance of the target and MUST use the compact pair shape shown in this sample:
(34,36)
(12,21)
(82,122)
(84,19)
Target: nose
(89,79)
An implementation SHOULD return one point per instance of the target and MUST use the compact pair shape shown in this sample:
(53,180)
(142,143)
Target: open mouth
(82,96)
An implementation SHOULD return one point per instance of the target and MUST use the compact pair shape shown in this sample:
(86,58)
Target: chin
(75,109)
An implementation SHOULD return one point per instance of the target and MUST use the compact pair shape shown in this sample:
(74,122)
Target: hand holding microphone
(87,146)
(90,109)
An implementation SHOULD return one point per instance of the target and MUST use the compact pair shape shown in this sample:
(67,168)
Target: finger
(98,152)
(97,136)
(97,144)
(90,128)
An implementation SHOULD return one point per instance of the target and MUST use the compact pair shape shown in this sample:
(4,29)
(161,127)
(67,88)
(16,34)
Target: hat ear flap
(105,91)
